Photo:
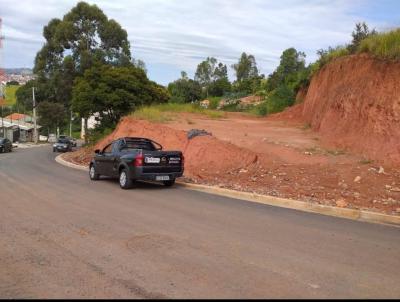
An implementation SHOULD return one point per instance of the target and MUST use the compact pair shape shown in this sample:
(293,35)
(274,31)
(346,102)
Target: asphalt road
(63,236)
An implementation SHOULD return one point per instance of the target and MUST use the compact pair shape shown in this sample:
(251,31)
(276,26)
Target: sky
(175,35)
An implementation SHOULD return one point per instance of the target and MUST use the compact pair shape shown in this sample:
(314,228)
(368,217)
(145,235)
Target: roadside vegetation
(167,112)
(10,91)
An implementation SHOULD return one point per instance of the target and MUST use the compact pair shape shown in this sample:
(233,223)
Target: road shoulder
(353,214)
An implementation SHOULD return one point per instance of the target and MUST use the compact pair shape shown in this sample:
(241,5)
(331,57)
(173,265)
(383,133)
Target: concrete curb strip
(353,214)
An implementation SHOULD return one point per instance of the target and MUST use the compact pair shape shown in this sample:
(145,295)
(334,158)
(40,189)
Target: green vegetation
(383,45)
(10,91)
(336,152)
(165,112)
(366,161)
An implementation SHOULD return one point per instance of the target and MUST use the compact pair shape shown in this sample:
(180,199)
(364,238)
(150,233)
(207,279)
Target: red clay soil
(354,104)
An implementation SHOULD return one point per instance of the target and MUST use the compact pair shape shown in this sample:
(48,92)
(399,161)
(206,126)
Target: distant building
(92,121)
(17,130)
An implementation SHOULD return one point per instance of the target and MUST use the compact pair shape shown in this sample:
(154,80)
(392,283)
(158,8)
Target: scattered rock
(398,210)
(197,132)
(381,170)
(243,171)
(356,195)
(394,189)
(307,153)
(341,203)
(357,179)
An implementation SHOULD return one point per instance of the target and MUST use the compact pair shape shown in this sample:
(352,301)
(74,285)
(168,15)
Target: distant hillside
(20,71)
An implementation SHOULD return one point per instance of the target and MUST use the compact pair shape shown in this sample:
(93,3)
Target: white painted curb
(353,214)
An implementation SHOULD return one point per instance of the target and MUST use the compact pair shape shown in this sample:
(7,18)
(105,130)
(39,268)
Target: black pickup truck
(136,158)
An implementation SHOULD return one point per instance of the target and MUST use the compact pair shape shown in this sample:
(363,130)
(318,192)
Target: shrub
(279,99)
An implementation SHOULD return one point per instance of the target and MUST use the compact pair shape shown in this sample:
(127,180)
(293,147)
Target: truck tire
(125,182)
(93,174)
(169,183)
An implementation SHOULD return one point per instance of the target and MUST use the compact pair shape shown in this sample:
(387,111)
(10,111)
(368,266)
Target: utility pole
(35,134)
(70,125)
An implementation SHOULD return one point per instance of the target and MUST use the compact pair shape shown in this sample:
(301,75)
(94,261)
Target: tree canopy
(114,91)
(213,77)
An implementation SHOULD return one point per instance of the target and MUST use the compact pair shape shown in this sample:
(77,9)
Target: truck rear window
(134,145)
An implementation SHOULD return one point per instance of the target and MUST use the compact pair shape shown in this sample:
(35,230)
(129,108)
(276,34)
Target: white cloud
(181,33)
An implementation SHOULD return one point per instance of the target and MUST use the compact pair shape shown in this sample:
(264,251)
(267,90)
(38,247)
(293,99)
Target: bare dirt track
(63,236)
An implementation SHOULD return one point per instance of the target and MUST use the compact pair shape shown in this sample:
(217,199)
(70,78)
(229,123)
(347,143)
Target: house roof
(19,116)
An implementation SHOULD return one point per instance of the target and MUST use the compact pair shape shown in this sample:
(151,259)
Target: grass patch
(10,94)
(306,127)
(214,101)
(336,152)
(165,112)
(366,161)
(152,114)
(383,45)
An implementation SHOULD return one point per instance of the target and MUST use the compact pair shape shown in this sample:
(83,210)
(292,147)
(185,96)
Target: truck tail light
(139,160)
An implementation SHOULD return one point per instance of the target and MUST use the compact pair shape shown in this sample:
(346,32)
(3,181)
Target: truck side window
(108,149)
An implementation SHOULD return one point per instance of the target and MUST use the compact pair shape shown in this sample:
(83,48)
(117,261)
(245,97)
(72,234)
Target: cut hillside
(354,104)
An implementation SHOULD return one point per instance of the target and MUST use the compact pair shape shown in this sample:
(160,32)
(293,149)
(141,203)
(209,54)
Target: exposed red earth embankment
(354,104)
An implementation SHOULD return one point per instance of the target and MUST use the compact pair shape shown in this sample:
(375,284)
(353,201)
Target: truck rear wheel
(125,182)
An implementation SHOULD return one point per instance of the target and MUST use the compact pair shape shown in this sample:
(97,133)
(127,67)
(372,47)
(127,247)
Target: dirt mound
(354,103)
(205,155)
(128,126)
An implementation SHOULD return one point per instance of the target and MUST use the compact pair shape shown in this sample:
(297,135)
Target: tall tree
(213,77)
(291,65)
(246,68)
(51,115)
(83,38)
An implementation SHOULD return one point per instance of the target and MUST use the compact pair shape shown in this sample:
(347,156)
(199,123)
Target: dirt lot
(271,156)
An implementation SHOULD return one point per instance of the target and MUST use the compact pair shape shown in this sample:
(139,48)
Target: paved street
(63,236)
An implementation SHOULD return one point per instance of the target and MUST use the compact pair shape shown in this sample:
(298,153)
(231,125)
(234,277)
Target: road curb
(353,214)
(63,162)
